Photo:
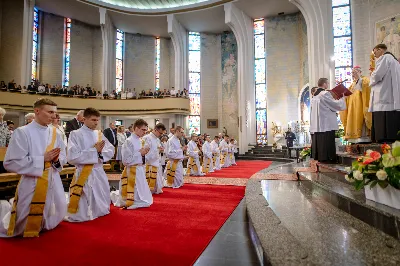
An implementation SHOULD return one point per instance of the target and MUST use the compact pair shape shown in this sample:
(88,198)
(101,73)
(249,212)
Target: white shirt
(170,135)
(193,150)
(207,149)
(174,150)
(215,147)
(223,146)
(323,112)
(153,156)
(131,151)
(121,138)
(385,85)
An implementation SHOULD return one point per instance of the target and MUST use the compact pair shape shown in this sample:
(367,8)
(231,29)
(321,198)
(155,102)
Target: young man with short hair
(216,153)
(224,148)
(88,149)
(37,153)
(154,172)
(134,191)
(174,168)
(208,166)
(193,168)
(233,148)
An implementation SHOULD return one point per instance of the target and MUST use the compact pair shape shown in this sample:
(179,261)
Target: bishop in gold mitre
(356,119)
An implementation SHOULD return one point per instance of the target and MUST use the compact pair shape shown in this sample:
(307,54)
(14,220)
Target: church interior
(200,132)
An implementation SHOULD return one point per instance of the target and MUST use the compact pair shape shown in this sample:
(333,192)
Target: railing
(24,101)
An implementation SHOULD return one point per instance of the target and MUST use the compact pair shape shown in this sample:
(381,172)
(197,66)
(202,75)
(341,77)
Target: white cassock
(25,156)
(95,200)
(223,146)
(233,150)
(163,156)
(216,154)
(193,152)
(153,158)
(131,156)
(207,155)
(175,152)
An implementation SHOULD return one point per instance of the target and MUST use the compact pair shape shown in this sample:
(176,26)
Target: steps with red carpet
(173,231)
(243,169)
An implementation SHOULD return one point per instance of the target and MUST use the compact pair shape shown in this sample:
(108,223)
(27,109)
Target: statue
(224,131)
(277,134)
(357,121)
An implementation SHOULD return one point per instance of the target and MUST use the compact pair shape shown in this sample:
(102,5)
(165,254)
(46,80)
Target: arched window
(305,104)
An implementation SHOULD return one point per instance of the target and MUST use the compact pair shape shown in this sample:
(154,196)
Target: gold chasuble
(76,187)
(35,216)
(356,116)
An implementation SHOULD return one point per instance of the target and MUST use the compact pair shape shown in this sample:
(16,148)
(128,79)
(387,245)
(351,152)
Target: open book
(340,89)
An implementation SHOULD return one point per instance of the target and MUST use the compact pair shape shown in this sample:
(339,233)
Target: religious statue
(224,131)
(277,134)
(356,119)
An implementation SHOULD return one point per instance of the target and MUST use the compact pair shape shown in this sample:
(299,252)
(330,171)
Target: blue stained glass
(35,15)
(194,82)
(34,51)
(120,35)
(340,2)
(194,104)
(341,21)
(194,42)
(262,139)
(194,61)
(157,84)
(259,71)
(343,51)
(119,56)
(119,49)
(259,26)
(261,119)
(194,124)
(259,46)
(261,96)
(343,74)
(158,63)
(35,32)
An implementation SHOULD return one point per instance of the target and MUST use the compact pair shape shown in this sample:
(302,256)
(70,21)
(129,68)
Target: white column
(27,32)
(318,16)
(179,37)
(108,35)
(242,27)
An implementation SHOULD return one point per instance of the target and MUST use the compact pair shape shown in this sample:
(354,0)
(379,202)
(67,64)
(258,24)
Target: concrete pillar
(108,34)
(26,53)
(242,27)
(179,37)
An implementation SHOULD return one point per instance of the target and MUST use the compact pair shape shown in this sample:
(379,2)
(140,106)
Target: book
(340,89)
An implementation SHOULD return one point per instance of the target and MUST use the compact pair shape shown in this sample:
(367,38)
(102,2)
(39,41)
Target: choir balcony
(70,105)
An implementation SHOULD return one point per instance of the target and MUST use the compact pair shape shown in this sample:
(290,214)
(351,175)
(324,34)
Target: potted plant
(378,174)
(305,153)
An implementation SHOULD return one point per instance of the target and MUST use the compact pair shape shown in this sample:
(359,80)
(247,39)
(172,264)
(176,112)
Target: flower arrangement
(340,132)
(375,168)
(305,152)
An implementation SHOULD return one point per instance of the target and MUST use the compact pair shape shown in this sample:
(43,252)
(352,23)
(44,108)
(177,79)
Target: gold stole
(192,164)
(35,216)
(222,159)
(206,165)
(151,175)
(171,168)
(230,156)
(77,185)
(128,182)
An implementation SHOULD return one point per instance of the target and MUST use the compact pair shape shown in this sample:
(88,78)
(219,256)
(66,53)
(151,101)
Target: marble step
(332,188)
(270,154)
(297,226)
(264,158)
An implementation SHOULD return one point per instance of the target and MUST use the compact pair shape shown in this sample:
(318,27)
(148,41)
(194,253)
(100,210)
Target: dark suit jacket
(71,125)
(109,135)
(128,134)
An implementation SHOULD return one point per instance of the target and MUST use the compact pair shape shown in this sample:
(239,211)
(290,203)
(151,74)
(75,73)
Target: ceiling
(209,20)
(150,4)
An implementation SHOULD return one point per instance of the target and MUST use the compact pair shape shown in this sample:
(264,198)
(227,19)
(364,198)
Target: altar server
(224,146)
(324,122)
(134,191)
(37,153)
(234,150)
(216,153)
(154,170)
(88,149)
(193,168)
(207,156)
(385,96)
(175,150)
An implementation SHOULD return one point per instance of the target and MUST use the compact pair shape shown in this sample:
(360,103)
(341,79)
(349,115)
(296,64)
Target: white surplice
(153,158)
(224,147)
(216,153)
(25,156)
(131,156)
(324,110)
(175,152)
(233,151)
(95,200)
(385,85)
(193,152)
(207,155)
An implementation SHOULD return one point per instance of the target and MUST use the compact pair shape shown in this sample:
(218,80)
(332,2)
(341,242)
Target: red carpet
(173,231)
(243,169)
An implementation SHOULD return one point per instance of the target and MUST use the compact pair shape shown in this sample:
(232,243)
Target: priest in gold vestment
(356,119)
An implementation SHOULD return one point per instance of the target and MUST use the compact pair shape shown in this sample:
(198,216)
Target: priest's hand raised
(100,145)
(52,155)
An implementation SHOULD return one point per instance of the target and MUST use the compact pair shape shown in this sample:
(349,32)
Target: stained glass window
(343,47)
(260,82)
(305,105)
(67,52)
(194,82)
(119,61)
(158,63)
(35,43)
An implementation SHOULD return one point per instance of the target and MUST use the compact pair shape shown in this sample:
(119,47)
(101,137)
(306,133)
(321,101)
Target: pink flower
(374,156)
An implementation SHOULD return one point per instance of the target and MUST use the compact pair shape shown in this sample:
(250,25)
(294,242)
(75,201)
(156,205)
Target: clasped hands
(52,155)
(144,151)
(184,148)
